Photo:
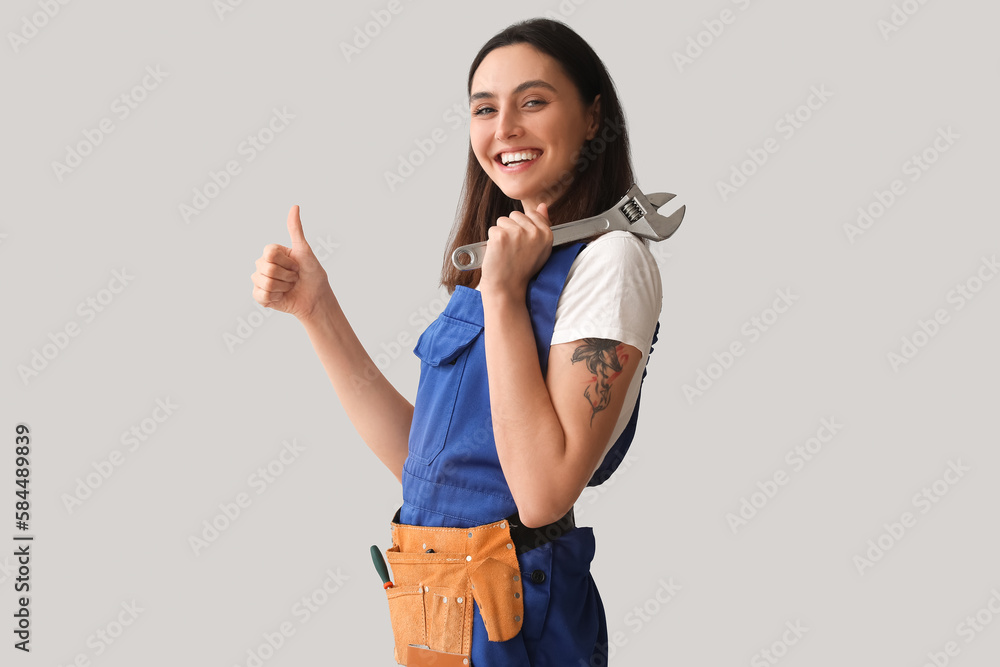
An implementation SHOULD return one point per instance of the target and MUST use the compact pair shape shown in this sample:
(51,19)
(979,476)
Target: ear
(594,114)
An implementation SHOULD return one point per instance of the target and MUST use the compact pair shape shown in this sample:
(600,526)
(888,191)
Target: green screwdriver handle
(380,566)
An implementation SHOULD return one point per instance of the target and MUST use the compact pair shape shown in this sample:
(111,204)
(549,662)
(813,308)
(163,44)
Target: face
(523,102)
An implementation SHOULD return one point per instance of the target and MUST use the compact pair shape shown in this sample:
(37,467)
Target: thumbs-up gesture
(290,279)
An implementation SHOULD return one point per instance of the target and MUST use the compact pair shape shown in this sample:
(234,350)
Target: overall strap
(543,296)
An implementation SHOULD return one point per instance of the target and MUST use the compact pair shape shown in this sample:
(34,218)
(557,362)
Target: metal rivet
(503,525)
(426,589)
(517,619)
(445,600)
(510,546)
(470,534)
(517,595)
(465,661)
(425,546)
(468,558)
(515,577)
(459,600)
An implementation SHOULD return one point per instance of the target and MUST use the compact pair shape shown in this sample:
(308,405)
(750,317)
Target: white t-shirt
(613,290)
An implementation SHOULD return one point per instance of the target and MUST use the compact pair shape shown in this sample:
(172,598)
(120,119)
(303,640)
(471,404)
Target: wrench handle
(468,257)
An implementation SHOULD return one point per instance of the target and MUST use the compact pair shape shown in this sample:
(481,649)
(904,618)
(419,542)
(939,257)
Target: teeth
(507,158)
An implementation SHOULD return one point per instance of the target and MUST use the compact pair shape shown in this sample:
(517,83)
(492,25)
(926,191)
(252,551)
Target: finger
(295,230)
(279,254)
(543,210)
(275,270)
(264,297)
(540,216)
(521,220)
(532,223)
(270,284)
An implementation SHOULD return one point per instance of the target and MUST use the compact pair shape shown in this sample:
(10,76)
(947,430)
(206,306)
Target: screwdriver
(380,566)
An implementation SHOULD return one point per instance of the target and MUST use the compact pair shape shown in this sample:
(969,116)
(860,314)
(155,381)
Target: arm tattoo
(604,358)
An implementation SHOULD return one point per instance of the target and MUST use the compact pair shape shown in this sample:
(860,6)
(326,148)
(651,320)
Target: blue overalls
(452,478)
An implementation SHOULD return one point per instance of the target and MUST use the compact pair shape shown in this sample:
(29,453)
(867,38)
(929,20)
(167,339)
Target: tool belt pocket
(431,602)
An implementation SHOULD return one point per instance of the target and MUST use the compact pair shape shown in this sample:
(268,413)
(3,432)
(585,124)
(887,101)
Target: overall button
(538,576)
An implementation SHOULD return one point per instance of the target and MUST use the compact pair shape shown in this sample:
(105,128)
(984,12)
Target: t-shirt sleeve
(612,290)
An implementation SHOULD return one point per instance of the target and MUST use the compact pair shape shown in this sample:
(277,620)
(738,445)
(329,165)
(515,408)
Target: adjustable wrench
(635,212)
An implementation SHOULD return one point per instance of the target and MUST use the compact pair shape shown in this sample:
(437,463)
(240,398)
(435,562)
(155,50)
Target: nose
(508,124)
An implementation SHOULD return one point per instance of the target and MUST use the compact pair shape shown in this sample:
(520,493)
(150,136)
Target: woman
(529,379)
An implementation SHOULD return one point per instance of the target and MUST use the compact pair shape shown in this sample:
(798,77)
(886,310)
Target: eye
(539,102)
(481,110)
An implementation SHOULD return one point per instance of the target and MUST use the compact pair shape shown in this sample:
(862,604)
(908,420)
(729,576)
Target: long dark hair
(603,170)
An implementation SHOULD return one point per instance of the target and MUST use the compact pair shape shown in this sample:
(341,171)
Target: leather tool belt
(438,572)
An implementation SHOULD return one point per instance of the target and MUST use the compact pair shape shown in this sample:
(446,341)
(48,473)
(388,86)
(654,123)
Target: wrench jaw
(665,226)
(652,225)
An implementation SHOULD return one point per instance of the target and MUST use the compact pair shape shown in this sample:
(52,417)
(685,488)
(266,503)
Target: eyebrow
(534,83)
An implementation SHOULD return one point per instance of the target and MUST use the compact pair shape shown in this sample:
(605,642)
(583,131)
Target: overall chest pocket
(443,349)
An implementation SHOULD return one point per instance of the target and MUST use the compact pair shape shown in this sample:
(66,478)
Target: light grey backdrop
(119,301)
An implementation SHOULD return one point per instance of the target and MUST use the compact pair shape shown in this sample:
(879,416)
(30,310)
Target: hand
(517,248)
(290,280)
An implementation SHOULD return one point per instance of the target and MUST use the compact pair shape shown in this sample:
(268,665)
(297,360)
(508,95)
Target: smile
(512,162)
(518,156)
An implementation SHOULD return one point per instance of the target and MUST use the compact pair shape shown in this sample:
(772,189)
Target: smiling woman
(529,378)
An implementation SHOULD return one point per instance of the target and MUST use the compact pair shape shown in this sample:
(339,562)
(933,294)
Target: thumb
(295,230)
(543,210)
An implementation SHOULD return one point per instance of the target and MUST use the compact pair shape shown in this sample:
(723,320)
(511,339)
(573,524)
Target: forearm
(381,415)
(529,437)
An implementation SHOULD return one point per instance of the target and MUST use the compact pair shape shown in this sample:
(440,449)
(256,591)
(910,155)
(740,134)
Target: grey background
(663,517)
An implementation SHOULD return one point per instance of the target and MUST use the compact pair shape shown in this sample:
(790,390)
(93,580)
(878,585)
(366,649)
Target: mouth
(516,160)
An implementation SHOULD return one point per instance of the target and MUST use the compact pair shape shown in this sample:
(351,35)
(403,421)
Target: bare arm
(292,280)
(550,433)
(381,415)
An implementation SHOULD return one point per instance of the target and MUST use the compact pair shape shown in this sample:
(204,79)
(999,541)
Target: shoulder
(618,260)
(612,290)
